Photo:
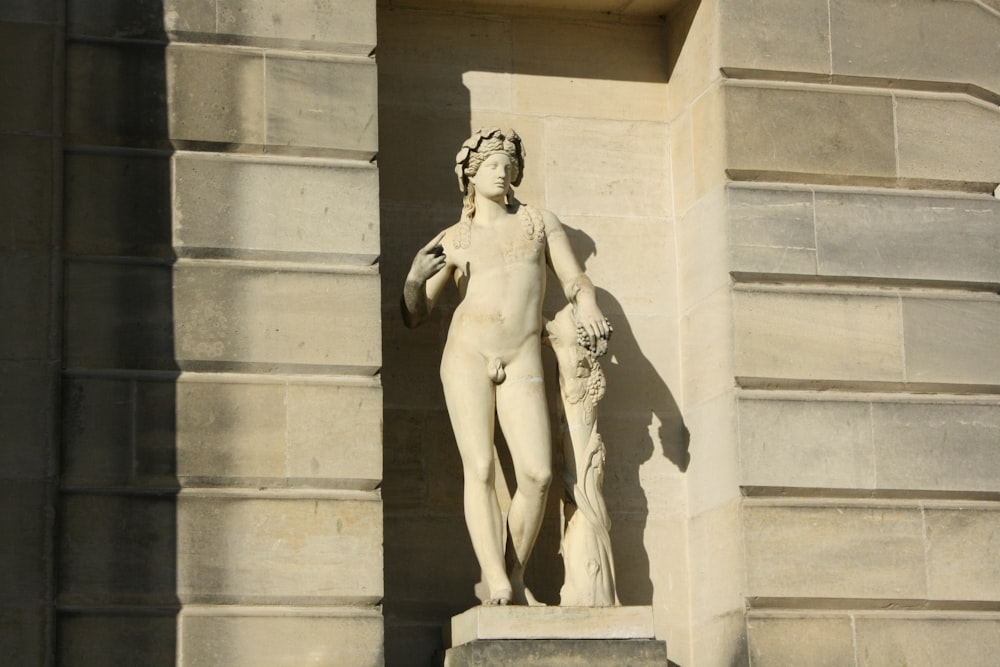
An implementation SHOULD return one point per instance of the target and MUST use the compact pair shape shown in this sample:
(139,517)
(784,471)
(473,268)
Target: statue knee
(537,480)
(479,472)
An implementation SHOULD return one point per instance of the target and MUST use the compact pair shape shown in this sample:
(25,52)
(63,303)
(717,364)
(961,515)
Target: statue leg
(524,418)
(470,396)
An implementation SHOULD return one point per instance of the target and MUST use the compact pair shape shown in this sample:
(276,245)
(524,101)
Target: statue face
(494,174)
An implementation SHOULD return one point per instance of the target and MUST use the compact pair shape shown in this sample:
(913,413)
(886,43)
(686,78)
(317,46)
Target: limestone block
(27,66)
(817,336)
(216,94)
(228,205)
(925,642)
(809,131)
(101,640)
(949,139)
(296,551)
(788,35)
(155,452)
(693,54)
(682,163)
(25,303)
(27,390)
(702,239)
(237,315)
(771,231)
(335,432)
(721,640)
(607,168)
(28,165)
(830,551)
(23,634)
(26,518)
(597,71)
(939,447)
(138,18)
(97,431)
(710,137)
(118,315)
(322,103)
(117,550)
(821,444)
(715,548)
(117,204)
(823,641)
(230,430)
(336,22)
(714,471)
(351,638)
(707,349)
(528,623)
(415,70)
(952,341)
(957,39)
(906,236)
(962,559)
(42,11)
(116,93)
(559,653)
(406,481)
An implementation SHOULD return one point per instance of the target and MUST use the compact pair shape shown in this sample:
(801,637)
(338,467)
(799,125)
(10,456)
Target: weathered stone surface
(949,139)
(138,18)
(703,263)
(926,642)
(823,641)
(607,168)
(906,236)
(938,447)
(118,315)
(27,423)
(709,118)
(299,551)
(531,623)
(232,205)
(789,35)
(26,518)
(559,653)
(714,471)
(97,431)
(706,348)
(721,640)
(809,131)
(270,320)
(116,93)
(832,551)
(255,638)
(117,204)
(717,565)
(103,640)
(25,303)
(955,37)
(961,553)
(682,163)
(216,94)
(22,634)
(771,231)
(952,340)
(322,103)
(43,11)
(817,336)
(28,164)
(336,21)
(117,550)
(806,443)
(27,66)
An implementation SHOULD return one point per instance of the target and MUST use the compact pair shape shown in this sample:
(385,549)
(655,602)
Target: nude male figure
(497,256)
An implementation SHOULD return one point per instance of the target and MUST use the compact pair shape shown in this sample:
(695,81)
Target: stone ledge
(559,653)
(550,623)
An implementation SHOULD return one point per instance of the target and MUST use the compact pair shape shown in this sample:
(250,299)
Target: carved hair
(483,143)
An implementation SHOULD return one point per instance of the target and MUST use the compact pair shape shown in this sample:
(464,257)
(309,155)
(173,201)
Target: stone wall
(838,278)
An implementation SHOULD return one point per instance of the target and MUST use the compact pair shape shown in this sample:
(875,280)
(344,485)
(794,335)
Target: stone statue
(497,254)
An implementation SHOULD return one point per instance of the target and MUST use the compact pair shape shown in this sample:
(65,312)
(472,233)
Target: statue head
(482,144)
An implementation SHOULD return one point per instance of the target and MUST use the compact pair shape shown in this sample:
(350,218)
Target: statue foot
(501,598)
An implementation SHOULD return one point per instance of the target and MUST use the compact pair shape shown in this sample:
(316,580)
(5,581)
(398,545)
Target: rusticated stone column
(222,407)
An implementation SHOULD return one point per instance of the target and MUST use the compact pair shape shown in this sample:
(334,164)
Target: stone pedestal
(554,636)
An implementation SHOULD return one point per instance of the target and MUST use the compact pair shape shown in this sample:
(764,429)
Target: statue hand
(429,260)
(592,325)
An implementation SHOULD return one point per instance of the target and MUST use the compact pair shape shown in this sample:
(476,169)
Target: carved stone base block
(554,637)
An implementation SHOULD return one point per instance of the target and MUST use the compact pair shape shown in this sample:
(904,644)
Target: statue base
(553,637)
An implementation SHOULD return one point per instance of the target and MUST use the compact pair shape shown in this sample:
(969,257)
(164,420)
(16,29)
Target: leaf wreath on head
(483,143)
